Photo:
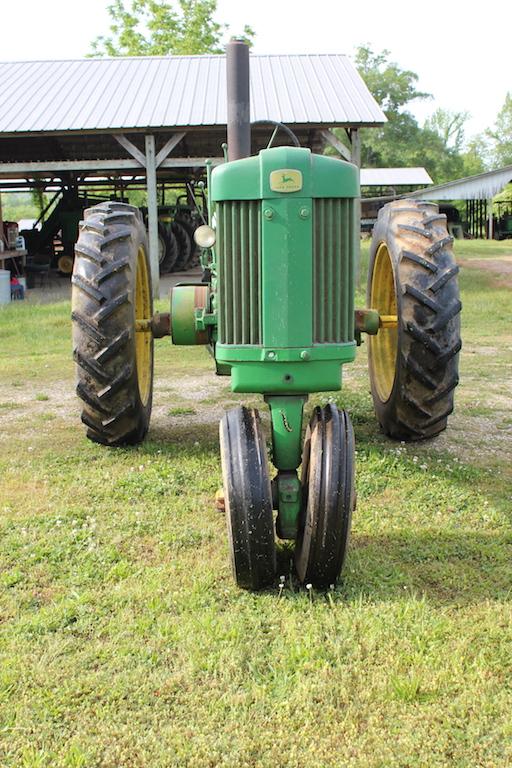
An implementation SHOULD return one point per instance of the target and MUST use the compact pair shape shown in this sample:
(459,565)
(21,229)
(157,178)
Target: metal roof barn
(483,186)
(478,192)
(160,118)
(178,91)
(394,177)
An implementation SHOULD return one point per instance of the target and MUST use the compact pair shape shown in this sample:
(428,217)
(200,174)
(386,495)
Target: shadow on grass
(447,567)
(455,569)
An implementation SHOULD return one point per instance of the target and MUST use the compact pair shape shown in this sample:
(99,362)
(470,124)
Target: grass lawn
(123,640)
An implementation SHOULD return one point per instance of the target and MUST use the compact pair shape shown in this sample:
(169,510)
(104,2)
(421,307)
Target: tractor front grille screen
(333,281)
(239,269)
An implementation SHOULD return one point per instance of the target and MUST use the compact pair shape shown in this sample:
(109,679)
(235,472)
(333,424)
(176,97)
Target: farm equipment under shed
(53,243)
(177,249)
(276,311)
(502,222)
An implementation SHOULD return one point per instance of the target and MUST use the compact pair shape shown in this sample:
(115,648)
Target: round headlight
(204,236)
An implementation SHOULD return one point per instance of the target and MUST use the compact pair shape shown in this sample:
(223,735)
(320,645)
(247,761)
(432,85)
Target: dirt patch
(23,403)
(20,406)
(500,268)
(475,438)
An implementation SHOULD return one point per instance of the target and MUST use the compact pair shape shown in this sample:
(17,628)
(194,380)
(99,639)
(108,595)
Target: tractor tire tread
(103,314)
(91,253)
(88,328)
(417,259)
(429,330)
(104,354)
(171,248)
(88,287)
(103,319)
(109,270)
(248,498)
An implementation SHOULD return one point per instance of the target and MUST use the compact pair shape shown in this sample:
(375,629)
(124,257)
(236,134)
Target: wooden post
(490,233)
(355,141)
(355,157)
(152,213)
(2,223)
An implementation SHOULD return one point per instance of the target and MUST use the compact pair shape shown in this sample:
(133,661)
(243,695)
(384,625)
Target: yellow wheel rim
(143,338)
(383,346)
(65,264)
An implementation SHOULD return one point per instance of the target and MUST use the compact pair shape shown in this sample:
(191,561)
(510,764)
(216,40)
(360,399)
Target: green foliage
(157,28)
(501,135)
(391,86)
(474,156)
(16,206)
(449,126)
(504,195)
(438,145)
(39,199)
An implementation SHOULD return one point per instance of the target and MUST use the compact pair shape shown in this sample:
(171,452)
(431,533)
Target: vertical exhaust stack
(239,105)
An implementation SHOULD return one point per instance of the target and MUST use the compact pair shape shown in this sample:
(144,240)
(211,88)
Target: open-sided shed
(162,117)
(478,192)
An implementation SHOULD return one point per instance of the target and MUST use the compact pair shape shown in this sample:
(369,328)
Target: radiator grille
(333,234)
(239,269)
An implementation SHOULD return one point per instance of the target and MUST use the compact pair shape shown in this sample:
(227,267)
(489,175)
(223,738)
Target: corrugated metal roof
(178,91)
(481,187)
(393,177)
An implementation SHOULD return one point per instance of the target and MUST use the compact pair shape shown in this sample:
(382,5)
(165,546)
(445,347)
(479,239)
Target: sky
(460,50)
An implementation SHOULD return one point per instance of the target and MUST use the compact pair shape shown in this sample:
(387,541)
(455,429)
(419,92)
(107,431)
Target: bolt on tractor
(275,308)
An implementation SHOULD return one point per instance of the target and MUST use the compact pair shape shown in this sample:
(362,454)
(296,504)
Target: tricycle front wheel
(247,499)
(328,497)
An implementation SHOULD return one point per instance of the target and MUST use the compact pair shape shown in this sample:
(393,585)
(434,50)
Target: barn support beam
(130,148)
(338,145)
(168,147)
(1,222)
(139,156)
(95,167)
(152,213)
(490,232)
(355,141)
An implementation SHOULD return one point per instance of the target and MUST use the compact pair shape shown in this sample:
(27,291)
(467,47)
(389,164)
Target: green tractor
(276,311)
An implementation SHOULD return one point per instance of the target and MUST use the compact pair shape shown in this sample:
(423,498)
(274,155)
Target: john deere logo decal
(286,180)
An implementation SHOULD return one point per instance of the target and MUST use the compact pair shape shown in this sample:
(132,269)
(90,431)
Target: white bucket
(5,286)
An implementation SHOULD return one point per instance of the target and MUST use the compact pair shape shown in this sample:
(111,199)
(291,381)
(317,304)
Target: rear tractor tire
(111,289)
(413,275)
(167,249)
(184,246)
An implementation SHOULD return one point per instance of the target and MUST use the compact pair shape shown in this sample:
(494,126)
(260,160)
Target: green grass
(182,410)
(124,641)
(472,249)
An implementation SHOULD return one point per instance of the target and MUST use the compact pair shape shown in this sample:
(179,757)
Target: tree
(438,145)
(449,126)
(501,135)
(393,88)
(158,28)
(474,156)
